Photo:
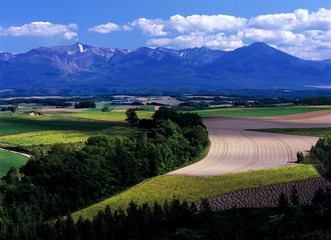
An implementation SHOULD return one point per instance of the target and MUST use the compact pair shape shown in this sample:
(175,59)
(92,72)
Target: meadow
(259,112)
(314,132)
(33,130)
(113,116)
(8,160)
(15,124)
(192,189)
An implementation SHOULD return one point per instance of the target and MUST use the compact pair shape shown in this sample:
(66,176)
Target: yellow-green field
(51,137)
(113,116)
(192,189)
(27,130)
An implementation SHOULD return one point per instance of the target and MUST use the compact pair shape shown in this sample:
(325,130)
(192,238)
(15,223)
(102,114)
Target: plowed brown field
(267,196)
(235,150)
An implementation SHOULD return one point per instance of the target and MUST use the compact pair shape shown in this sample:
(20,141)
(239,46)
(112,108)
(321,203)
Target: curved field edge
(192,189)
(259,112)
(314,132)
(9,159)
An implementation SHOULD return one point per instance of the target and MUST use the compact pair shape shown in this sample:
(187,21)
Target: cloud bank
(41,29)
(301,33)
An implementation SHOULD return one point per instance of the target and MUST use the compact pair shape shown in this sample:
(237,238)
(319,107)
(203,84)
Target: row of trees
(13,109)
(175,220)
(85,104)
(314,101)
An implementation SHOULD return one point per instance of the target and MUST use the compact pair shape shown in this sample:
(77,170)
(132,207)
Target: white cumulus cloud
(41,29)
(105,28)
(70,35)
(153,27)
(206,23)
(300,19)
(271,36)
(301,33)
(197,39)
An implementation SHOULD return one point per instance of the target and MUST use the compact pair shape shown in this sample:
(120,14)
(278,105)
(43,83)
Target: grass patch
(65,136)
(192,189)
(113,116)
(147,107)
(23,124)
(9,159)
(314,132)
(259,112)
(91,110)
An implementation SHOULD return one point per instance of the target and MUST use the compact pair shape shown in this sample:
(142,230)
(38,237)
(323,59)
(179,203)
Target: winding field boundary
(234,149)
(23,154)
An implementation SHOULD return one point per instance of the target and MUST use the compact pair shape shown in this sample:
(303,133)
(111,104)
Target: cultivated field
(260,112)
(33,130)
(113,116)
(239,151)
(316,132)
(192,189)
(235,150)
(268,196)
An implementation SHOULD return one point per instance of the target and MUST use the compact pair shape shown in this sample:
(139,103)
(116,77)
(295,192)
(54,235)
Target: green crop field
(65,136)
(315,132)
(259,112)
(26,130)
(8,159)
(113,116)
(22,124)
(192,189)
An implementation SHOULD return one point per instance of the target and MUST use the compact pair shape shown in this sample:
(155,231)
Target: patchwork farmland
(243,168)
(235,153)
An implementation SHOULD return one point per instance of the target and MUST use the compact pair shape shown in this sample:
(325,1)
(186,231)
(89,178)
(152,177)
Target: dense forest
(65,180)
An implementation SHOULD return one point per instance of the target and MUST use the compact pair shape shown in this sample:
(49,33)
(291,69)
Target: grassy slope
(315,132)
(8,159)
(192,189)
(115,116)
(259,112)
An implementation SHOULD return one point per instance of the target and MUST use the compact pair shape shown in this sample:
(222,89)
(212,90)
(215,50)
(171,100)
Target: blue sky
(298,27)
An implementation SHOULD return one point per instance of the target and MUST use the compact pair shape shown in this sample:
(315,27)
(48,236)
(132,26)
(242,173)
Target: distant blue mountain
(84,69)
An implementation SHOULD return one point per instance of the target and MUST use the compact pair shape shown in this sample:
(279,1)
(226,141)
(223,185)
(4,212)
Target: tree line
(314,101)
(320,154)
(179,220)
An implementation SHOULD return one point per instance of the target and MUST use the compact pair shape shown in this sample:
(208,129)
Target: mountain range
(82,69)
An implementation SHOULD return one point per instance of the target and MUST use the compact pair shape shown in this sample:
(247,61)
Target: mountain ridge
(82,68)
